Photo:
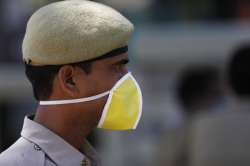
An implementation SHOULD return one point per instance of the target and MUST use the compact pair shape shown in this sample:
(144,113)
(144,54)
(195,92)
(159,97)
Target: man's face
(103,76)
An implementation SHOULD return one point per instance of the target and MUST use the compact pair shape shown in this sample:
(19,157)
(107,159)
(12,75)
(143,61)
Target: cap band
(112,53)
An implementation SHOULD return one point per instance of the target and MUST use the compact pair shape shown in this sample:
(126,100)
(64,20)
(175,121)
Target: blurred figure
(239,73)
(199,91)
(218,138)
(242,10)
(233,9)
(223,139)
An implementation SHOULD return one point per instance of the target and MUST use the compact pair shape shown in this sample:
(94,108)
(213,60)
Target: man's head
(199,89)
(72,35)
(239,71)
(76,49)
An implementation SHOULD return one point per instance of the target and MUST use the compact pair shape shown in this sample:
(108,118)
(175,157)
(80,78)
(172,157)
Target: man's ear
(66,77)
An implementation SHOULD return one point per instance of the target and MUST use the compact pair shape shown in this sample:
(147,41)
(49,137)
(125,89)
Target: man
(218,138)
(75,55)
(222,139)
(198,92)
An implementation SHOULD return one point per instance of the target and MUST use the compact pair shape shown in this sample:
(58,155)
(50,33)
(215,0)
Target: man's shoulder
(22,153)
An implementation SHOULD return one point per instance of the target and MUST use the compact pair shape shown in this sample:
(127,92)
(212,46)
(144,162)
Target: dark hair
(196,84)
(239,71)
(42,77)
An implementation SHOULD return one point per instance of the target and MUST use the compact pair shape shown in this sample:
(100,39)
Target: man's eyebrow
(122,62)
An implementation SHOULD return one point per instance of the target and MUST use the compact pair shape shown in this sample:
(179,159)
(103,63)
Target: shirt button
(85,162)
(36,147)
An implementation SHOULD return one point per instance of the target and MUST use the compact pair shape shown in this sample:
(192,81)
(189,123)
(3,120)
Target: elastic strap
(73,101)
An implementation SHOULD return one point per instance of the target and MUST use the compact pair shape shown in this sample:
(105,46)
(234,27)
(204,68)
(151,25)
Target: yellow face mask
(123,108)
(124,105)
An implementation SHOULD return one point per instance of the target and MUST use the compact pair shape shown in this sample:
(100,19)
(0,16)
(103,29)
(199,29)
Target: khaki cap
(73,31)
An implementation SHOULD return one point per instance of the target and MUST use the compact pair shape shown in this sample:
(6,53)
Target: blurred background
(178,53)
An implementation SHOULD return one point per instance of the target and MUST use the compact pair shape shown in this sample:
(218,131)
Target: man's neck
(72,130)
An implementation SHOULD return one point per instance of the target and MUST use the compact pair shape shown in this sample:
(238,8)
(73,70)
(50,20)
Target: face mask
(123,108)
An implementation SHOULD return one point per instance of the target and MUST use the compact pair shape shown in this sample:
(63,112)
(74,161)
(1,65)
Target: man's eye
(120,66)
(124,62)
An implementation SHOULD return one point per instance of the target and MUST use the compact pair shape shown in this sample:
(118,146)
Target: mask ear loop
(73,101)
(81,100)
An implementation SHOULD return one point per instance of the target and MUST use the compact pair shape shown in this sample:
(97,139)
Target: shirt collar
(61,152)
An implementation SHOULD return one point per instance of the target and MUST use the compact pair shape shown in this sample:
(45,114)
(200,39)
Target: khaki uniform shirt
(38,146)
